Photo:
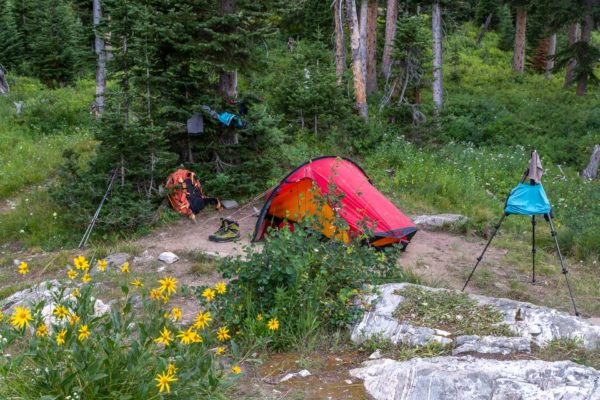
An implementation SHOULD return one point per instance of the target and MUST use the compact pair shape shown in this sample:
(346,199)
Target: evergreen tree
(10,37)
(55,46)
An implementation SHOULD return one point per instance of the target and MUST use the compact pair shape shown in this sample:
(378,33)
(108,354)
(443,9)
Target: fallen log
(591,171)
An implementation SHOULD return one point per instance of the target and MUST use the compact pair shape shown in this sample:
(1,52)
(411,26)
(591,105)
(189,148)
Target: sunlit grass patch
(449,311)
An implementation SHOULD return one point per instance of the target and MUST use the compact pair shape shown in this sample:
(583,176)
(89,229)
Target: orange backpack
(183,190)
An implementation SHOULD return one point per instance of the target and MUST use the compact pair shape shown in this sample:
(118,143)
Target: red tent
(361,204)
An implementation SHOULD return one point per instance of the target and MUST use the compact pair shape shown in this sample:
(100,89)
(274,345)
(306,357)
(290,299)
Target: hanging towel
(535,168)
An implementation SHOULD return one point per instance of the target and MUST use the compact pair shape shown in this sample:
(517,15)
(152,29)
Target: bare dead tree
(357,70)
(391,19)
(591,171)
(340,42)
(101,54)
(4,87)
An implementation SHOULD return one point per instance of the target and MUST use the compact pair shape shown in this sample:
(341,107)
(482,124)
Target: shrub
(65,350)
(307,281)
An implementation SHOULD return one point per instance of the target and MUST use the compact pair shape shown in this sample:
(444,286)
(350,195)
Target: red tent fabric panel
(362,204)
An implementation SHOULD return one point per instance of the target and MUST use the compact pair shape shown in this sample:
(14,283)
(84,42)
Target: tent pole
(497,227)
(533,251)
(565,271)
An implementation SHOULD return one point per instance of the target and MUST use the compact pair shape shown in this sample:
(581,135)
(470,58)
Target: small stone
(375,355)
(168,258)
(161,269)
(348,381)
(16,262)
(302,374)
(228,204)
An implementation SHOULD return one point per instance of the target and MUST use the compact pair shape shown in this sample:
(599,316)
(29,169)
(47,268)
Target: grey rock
(439,220)
(375,355)
(117,259)
(167,257)
(380,323)
(145,257)
(468,378)
(491,345)
(229,204)
(43,291)
(16,262)
(535,323)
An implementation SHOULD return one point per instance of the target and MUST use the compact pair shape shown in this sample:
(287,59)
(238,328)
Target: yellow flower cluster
(23,268)
(209,294)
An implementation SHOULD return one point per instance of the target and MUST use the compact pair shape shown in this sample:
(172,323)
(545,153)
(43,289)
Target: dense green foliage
(308,282)
(169,57)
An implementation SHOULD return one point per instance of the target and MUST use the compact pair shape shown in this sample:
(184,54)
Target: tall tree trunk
(228,79)
(391,19)
(359,82)
(372,47)
(340,41)
(551,54)
(101,54)
(363,16)
(518,64)
(586,36)
(484,28)
(574,34)
(436,29)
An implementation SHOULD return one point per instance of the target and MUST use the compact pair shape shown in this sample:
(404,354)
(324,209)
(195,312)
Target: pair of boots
(229,231)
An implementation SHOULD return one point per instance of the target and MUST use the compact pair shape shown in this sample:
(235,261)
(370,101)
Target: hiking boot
(228,232)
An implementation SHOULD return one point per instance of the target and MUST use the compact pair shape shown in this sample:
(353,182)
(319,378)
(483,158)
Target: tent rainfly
(361,204)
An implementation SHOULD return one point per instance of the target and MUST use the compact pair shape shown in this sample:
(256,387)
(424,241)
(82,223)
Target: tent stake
(497,228)
(565,271)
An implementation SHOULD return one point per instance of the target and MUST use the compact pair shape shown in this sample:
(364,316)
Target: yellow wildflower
(220,350)
(137,283)
(23,268)
(187,336)
(1,315)
(86,278)
(168,285)
(223,334)
(221,288)
(273,324)
(102,265)
(171,369)
(259,317)
(155,294)
(202,320)
(125,267)
(81,263)
(208,294)
(60,338)
(176,314)
(75,292)
(42,330)
(165,337)
(72,274)
(163,381)
(84,332)
(236,369)
(61,312)
(196,338)
(73,318)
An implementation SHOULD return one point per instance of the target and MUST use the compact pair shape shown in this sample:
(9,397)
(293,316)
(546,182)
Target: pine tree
(55,53)
(10,37)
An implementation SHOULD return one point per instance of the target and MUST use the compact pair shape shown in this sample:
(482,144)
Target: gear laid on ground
(228,232)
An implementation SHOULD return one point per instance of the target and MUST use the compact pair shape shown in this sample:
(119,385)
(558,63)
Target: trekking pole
(90,227)
(533,251)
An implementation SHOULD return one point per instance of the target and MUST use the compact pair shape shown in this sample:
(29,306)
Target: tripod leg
(533,248)
(497,227)
(565,271)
